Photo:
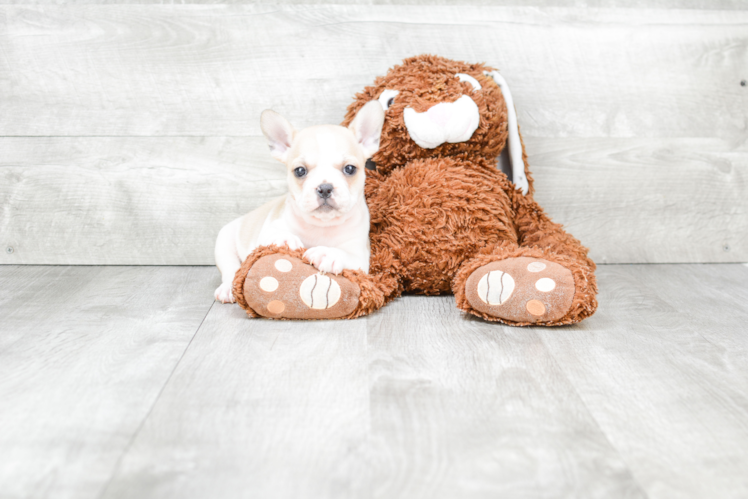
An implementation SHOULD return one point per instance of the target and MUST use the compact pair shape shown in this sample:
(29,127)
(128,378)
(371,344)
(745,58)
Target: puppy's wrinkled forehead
(324,145)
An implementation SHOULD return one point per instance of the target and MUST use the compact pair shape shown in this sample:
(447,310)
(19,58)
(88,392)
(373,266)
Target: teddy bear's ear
(513,142)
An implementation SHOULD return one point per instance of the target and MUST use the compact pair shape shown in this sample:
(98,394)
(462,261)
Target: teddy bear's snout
(445,122)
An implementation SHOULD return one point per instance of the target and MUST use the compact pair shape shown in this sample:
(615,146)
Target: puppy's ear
(278,132)
(367,127)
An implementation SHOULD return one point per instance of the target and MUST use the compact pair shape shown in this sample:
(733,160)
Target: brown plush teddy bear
(445,218)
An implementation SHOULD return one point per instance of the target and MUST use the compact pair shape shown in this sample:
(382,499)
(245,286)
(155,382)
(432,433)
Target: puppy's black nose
(324,191)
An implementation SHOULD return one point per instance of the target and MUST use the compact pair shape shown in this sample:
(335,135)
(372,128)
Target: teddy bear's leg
(275,282)
(546,280)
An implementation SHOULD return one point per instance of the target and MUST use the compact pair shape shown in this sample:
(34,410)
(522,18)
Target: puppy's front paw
(224,294)
(326,259)
(293,242)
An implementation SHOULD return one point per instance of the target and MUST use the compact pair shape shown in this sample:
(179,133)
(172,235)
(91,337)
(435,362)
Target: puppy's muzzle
(324,191)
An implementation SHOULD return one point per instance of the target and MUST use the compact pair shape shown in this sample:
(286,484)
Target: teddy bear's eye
(467,78)
(387,98)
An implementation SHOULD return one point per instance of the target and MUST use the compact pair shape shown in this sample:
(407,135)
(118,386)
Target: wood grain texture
(209,70)
(257,408)
(662,367)
(465,408)
(163,200)
(619,4)
(647,200)
(84,353)
(127,200)
(641,107)
(647,398)
(415,401)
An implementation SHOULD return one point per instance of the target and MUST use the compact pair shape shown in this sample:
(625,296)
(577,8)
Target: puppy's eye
(387,98)
(349,170)
(299,172)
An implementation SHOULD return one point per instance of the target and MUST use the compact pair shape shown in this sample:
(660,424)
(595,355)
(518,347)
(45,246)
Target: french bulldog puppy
(324,211)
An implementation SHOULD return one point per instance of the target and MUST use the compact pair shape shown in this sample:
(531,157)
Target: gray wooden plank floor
(129,381)
(84,353)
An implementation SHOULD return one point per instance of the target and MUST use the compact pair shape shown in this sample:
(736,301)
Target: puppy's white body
(324,211)
(334,248)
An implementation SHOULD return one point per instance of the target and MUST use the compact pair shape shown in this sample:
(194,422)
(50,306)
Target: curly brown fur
(537,230)
(441,212)
(424,81)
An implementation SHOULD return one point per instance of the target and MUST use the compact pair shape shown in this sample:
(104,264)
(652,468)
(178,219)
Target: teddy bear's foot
(281,286)
(521,290)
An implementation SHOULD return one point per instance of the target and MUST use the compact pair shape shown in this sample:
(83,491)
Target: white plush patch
(467,78)
(545,284)
(445,122)
(515,145)
(319,292)
(269,284)
(283,265)
(535,267)
(385,98)
(495,287)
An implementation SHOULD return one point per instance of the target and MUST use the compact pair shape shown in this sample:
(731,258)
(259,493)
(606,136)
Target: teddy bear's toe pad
(521,289)
(279,286)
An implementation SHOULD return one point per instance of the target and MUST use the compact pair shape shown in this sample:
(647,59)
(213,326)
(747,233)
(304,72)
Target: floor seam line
(589,412)
(153,405)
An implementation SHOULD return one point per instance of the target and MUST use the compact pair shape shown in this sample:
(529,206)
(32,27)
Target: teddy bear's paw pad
(521,289)
(279,286)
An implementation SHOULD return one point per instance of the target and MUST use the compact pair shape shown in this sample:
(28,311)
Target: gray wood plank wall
(129,134)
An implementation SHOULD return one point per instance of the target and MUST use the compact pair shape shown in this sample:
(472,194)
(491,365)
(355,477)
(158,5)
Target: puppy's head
(325,163)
